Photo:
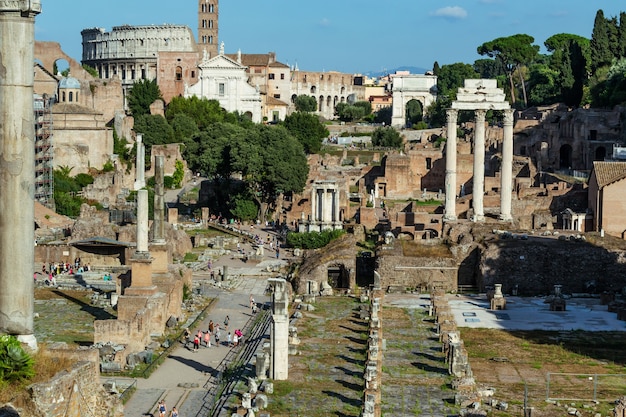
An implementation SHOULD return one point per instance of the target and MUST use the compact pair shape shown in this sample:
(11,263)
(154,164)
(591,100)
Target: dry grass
(508,361)
(415,249)
(46,366)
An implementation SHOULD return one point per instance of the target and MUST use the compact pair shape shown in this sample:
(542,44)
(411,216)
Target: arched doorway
(414,112)
(338,276)
(565,157)
(600,153)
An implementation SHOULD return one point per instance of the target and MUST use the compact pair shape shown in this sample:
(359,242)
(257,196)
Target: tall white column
(450,209)
(142,221)
(314,203)
(140,174)
(507,167)
(279,334)
(479,166)
(17,168)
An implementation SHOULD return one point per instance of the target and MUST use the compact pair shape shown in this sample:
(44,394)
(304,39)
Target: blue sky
(353,36)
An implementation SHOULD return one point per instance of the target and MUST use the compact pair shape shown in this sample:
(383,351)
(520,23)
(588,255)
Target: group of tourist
(204,338)
(65,268)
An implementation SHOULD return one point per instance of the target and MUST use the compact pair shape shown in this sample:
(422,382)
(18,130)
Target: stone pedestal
(141,276)
(161,257)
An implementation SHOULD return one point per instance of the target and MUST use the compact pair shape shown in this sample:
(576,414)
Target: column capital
(22,6)
(508,116)
(480,115)
(451,115)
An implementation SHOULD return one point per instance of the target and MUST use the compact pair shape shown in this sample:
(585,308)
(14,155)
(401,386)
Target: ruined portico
(325,213)
(17,170)
(479,96)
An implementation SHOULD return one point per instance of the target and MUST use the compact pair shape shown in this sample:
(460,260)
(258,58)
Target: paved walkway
(184,378)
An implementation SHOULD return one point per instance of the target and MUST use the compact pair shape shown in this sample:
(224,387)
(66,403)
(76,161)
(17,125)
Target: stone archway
(338,276)
(406,88)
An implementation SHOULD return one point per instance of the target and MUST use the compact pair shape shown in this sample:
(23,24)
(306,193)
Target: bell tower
(207,26)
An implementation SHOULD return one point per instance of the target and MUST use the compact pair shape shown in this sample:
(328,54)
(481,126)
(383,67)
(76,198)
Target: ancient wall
(76,392)
(174,71)
(402,272)
(537,264)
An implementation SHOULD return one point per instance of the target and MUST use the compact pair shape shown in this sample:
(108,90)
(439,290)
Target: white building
(225,80)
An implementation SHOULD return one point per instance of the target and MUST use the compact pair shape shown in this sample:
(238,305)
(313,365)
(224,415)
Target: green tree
(612,90)
(204,112)
(621,35)
(366,106)
(208,152)
(348,112)
(384,115)
(141,96)
(271,161)
(305,103)
(488,68)
(543,85)
(184,127)
(601,54)
(244,208)
(452,76)
(306,127)
(386,137)
(155,130)
(436,68)
(179,173)
(570,60)
(512,52)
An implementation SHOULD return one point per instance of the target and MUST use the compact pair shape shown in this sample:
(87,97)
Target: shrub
(15,363)
(312,240)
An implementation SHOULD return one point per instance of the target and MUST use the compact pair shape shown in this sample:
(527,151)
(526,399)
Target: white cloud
(451,12)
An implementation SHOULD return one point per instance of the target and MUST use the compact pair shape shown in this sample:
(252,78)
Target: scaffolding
(44,171)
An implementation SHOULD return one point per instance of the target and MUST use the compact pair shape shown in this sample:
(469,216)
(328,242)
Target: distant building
(607,188)
(225,80)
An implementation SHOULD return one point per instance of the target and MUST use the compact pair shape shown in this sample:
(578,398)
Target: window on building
(276,95)
(143,73)
(204,8)
(429,163)
(193,74)
(321,76)
(270,76)
(63,96)
(211,40)
(282,76)
(258,70)
(179,73)
(211,8)
(71,96)
(203,23)
(222,89)
(210,24)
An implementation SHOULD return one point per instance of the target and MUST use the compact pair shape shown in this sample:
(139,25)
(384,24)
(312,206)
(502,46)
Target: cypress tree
(621,34)
(600,44)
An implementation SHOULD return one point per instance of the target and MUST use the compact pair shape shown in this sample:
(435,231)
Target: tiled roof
(271,101)
(609,172)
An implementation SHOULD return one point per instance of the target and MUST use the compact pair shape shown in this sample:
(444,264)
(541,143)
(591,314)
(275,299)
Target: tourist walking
(174,412)
(226,321)
(162,408)
(207,339)
(217,335)
(196,343)
(229,339)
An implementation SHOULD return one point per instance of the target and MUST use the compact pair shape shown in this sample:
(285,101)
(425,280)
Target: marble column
(314,204)
(142,221)
(478,187)
(450,209)
(279,334)
(507,168)
(159,199)
(17,168)
(140,174)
